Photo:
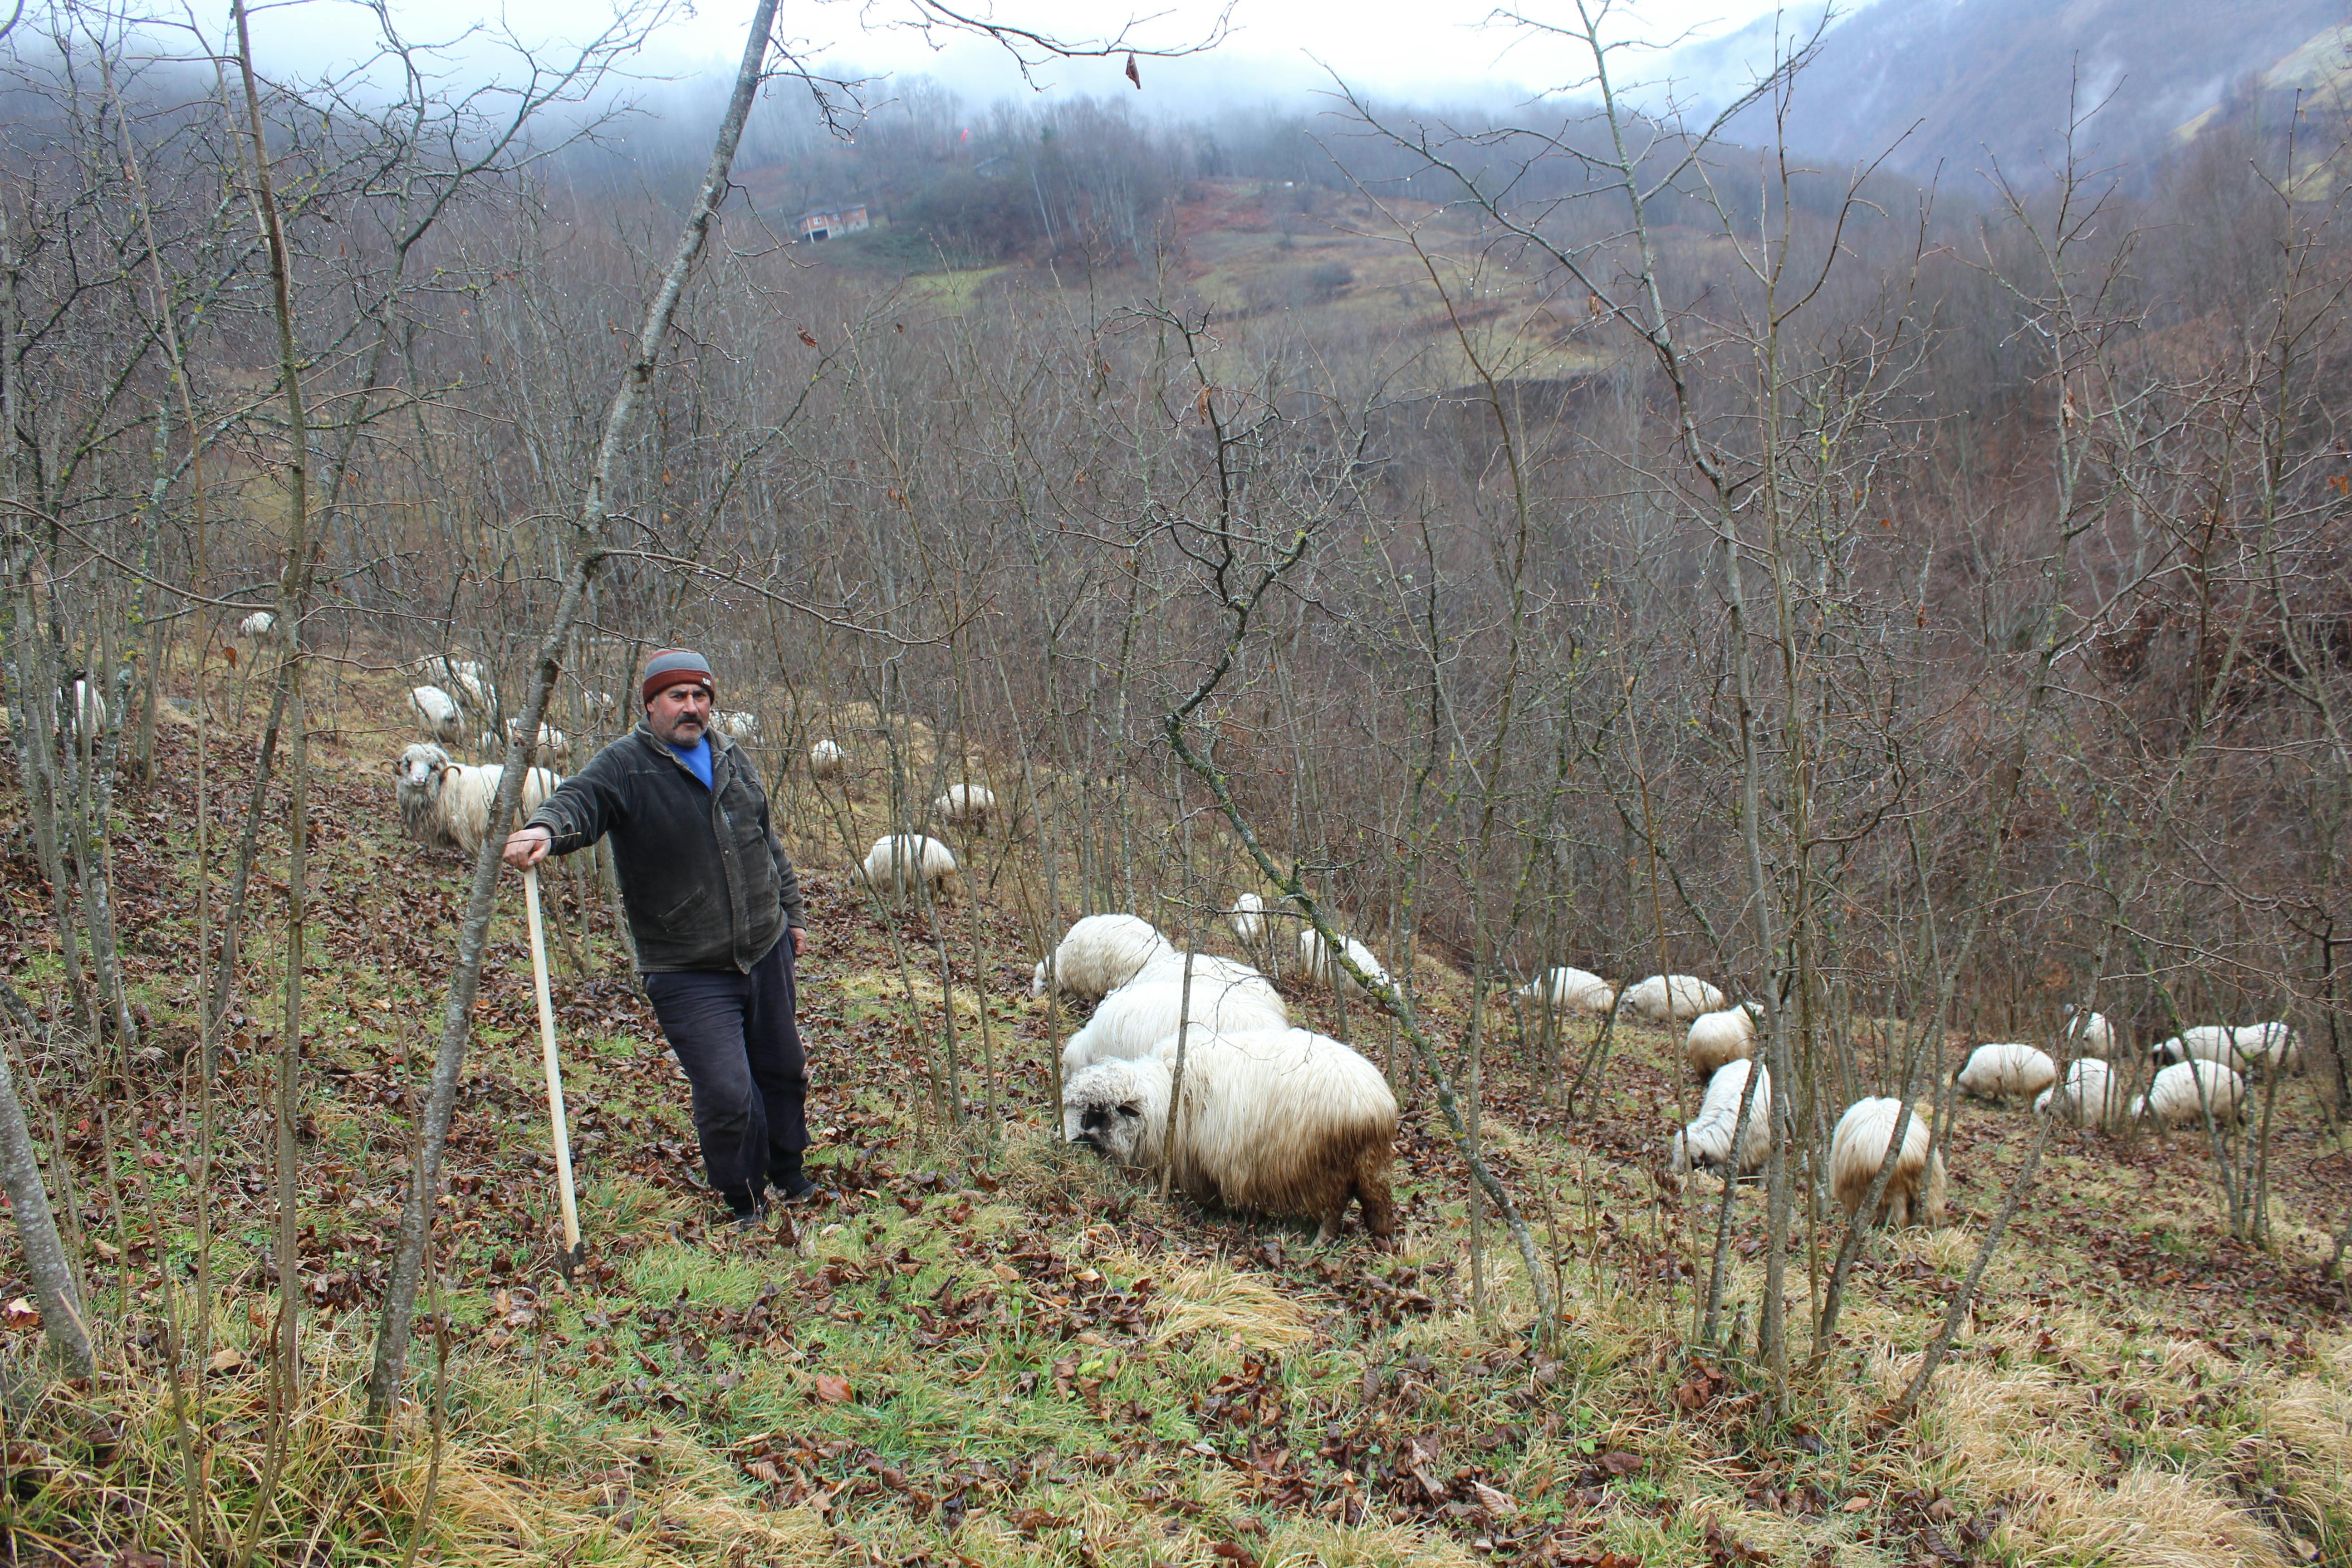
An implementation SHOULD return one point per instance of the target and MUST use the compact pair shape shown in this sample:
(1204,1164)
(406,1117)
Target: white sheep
(446,805)
(1246,921)
(965,805)
(1715,1038)
(737,726)
(2007,1072)
(1706,1141)
(259,626)
(2181,1093)
(1282,1121)
(464,678)
(1322,964)
(1142,1013)
(2094,1037)
(82,708)
(437,715)
(2092,1096)
(598,704)
(555,748)
(2247,1047)
(1210,973)
(826,760)
(1690,996)
(1100,953)
(899,862)
(1568,990)
(1915,1189)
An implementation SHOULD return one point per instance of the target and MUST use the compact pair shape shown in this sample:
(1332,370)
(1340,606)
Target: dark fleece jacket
(703,875)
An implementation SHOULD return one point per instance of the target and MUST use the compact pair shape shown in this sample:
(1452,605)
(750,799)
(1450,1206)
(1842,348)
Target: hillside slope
(1957,87)
(986,1348)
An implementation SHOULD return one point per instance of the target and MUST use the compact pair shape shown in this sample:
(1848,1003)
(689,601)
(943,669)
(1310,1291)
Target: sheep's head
(1037,981)
(419,765)
(1116,1108)
(1678,1158)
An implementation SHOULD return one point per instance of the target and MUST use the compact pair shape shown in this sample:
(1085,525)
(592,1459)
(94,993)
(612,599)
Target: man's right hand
(526,846)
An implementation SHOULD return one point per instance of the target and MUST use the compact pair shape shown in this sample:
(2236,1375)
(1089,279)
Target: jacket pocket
(693,901)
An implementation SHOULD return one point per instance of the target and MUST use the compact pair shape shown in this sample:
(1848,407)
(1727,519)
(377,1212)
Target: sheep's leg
(1333,1223)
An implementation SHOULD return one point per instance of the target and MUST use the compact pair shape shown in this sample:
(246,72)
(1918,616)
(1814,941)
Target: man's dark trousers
(735,1036)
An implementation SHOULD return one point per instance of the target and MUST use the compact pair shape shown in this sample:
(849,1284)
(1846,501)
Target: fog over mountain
(1963,85)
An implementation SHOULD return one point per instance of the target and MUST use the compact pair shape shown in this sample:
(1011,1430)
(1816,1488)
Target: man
(715,907)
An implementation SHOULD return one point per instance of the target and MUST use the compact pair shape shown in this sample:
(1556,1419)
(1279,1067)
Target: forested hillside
(1510,546)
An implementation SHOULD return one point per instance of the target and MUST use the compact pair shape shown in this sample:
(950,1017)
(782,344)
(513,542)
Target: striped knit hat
(677,667)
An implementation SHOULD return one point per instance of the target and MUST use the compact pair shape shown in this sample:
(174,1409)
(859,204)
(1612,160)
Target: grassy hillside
(987,1349)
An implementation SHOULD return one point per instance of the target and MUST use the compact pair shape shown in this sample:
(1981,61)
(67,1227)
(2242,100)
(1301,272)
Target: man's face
(680,715)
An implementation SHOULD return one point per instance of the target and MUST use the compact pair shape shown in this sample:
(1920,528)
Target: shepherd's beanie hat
(677,667)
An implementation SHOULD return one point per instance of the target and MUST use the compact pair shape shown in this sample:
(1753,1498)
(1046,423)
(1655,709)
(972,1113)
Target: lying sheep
(2007,1072)
(1690,996)
(1099,954)
(2183,1093)
(1706,1141)
(1280,1121)
(826,760)
(555,748)
(446,805)
(1141,1014)
(1325,966)
(437,715)
(2092,1096)
(1715,1038)
(1859,1145)
(965,805)
(737,726)
(2092,1038)
(259,627)
(1566,990)
(900,862)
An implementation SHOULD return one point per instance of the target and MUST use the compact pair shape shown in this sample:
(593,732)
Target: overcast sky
(1422,50)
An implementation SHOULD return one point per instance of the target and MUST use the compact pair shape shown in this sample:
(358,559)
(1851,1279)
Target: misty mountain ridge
(1961,86)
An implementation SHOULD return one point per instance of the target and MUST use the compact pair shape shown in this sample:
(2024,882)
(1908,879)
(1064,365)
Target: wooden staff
(573,1250)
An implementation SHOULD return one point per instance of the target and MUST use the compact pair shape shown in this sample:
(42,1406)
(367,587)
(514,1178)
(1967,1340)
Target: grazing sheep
(464,678)
(2247,1047)
(826,760)
(2179,1095)
(259,626)
(2007,1072)
(1209,973)
(446,805)
(1100,953)
(898,862)
(2092,1037)
(1567,990)
(1706,1141)
(554,746)
(2206,1042)
(737,726)
(2091,1096)
(965,805)
(1280,1121)
(82,708)
(1142,1013)
(1859,1145)
(1715,1038)
(1325,965)
(1246,919)
(1690,997)
(437,715)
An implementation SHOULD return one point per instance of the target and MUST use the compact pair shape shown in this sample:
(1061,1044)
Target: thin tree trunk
(63,1324)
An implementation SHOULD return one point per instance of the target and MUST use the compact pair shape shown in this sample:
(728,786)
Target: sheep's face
(418,767)
(1115,1131)
(1678,1158)
(1037,981)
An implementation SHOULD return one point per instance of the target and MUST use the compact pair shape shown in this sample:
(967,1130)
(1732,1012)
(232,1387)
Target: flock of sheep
(1287,1121)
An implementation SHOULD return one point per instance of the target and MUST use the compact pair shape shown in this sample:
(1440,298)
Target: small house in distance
(824,223)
